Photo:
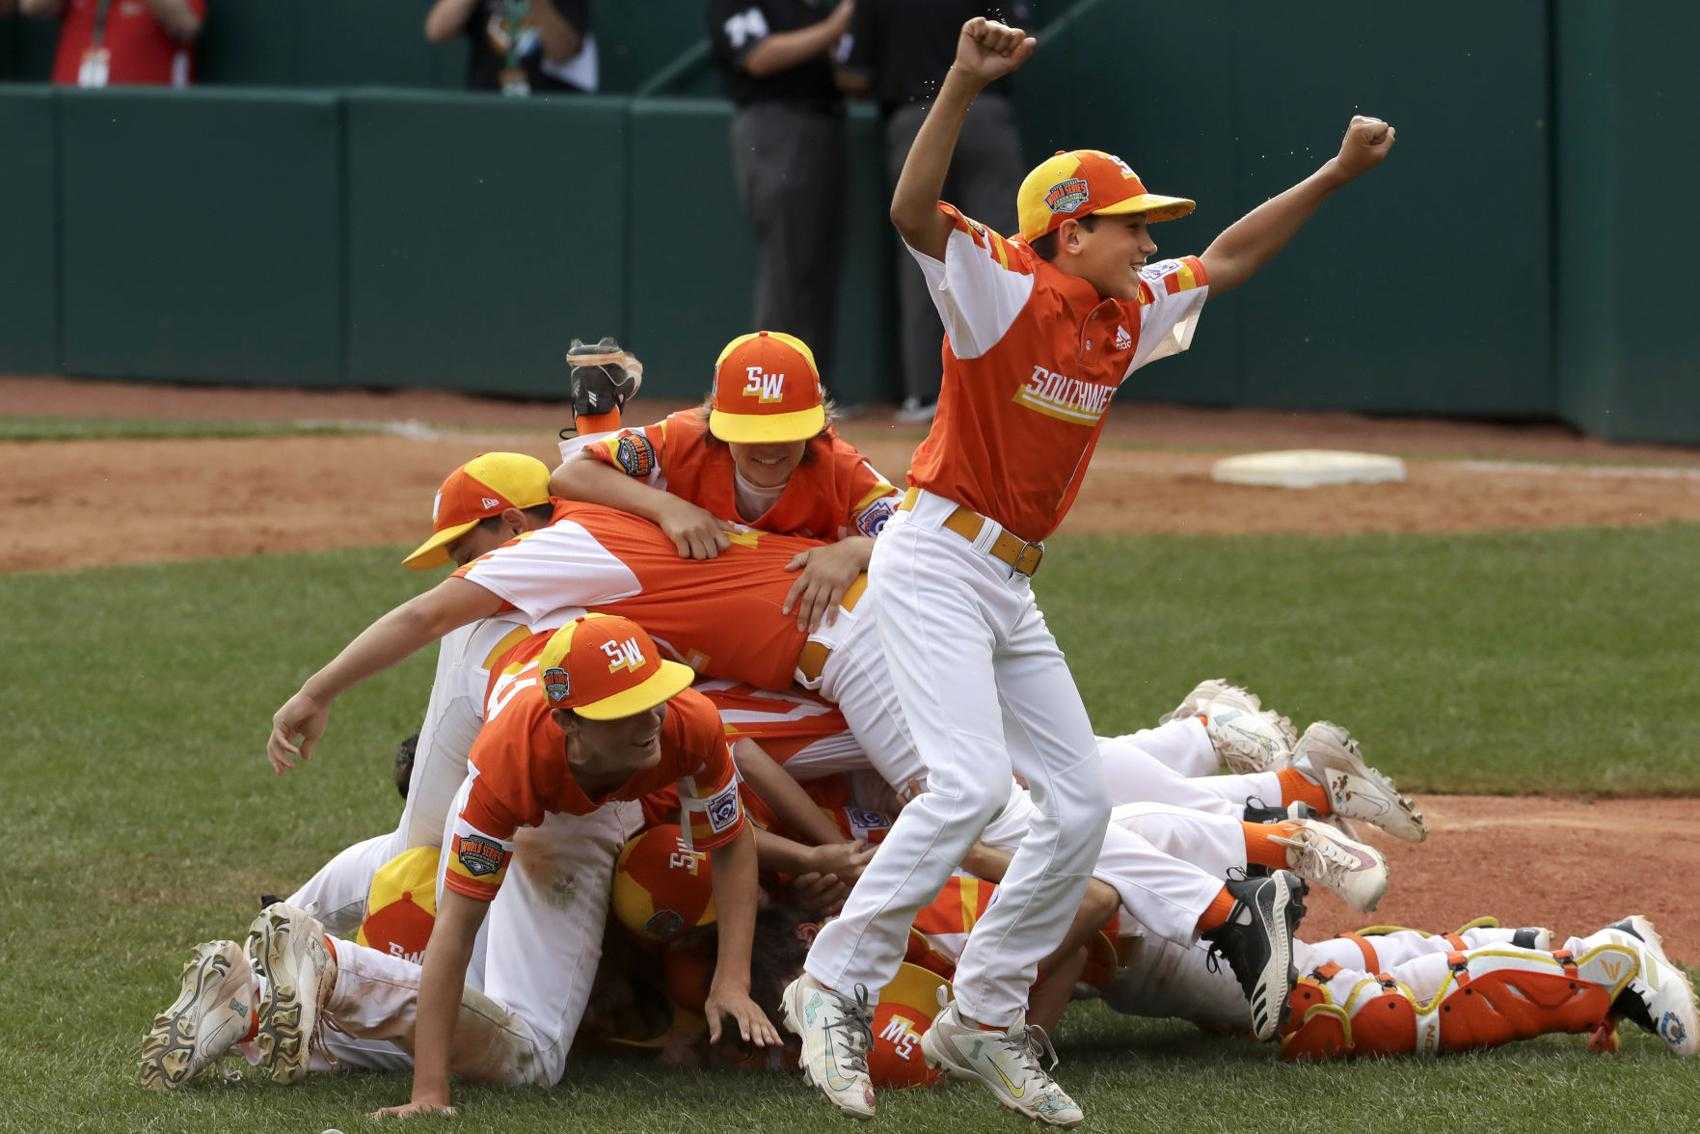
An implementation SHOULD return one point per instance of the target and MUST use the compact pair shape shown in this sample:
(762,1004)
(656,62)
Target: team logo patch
(635,455)
(480,856)
(1671,1029)
(873,518)
(664,925)
(1067,196)
(557,684)
(723,809)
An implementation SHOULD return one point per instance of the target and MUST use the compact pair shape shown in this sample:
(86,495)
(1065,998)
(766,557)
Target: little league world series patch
(480,856)
(635,455)
(1067,196)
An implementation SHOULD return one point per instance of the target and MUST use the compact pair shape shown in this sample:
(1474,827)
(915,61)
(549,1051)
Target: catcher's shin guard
(1486,998)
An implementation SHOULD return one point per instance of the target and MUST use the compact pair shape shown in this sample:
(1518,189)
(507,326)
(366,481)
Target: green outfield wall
(1515,259)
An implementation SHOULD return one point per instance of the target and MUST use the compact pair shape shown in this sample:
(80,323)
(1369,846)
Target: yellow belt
(813,658)
(1009,549)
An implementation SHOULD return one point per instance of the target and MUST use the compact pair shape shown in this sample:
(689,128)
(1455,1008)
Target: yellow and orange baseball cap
(484,486)
(1075,183)
(766,389)
(906,1010)
(604,667)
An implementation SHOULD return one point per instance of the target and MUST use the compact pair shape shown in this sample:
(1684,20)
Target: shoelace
(1033,1048)
(1321,860)
(1215,955)
(854,1028)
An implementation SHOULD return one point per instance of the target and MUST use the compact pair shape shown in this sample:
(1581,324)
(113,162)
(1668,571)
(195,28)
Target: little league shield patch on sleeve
(873,518)
(480,856)
(723,808)
(635,455)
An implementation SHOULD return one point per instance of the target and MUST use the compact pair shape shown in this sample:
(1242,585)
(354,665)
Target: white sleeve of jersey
(560,565)
(453,717)
(977,298)
(1166,324)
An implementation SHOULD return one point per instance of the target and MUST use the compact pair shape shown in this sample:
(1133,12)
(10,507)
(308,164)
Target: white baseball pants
(1138,769)
(971,659)
(544,941)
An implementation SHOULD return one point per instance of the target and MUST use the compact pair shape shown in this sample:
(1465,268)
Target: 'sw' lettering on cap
(604,667)
(766,390)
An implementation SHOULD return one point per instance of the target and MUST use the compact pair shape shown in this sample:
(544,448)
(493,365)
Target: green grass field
(137,701)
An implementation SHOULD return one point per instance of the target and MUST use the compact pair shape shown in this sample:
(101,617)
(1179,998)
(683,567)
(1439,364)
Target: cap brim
(758,429)
(433,552)
(670,678)
(1152,206)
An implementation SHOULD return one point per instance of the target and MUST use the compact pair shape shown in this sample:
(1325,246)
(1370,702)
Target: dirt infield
(144,501)
(1568,864)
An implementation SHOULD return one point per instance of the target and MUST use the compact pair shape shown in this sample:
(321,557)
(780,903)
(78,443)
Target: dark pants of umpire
(984,175)
(791,168)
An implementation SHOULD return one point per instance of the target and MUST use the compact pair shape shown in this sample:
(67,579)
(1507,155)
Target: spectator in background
(898,53)
(117,42)
(521,47)
(788,154)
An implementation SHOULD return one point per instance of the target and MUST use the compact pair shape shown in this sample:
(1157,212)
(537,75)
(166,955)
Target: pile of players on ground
(568,769)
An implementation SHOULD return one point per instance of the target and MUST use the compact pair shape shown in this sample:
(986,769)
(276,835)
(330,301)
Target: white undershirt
(753,500)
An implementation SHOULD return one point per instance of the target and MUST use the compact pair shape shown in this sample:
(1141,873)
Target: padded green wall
(29,257)
(1448,242)
(202,237)
(1628,341)
(483,235)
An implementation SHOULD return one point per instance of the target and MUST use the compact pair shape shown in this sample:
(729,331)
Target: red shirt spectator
(112,42)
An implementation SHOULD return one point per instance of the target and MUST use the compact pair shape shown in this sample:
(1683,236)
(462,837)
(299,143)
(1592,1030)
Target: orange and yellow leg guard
(1454,1002)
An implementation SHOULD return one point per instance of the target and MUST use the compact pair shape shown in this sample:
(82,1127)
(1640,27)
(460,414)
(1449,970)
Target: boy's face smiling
(1108,255)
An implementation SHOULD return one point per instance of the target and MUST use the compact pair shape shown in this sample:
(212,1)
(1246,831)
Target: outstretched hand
(987,50)
(1365,145)
(296,728)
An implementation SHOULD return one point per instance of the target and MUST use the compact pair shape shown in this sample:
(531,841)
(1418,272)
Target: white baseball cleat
(837,1032)
(1213,689)
(1247,737)
(1329,756)
(1660,998)
(1248,743)
(1355,872)
(211,1013)
(287,947)
(1012,1063)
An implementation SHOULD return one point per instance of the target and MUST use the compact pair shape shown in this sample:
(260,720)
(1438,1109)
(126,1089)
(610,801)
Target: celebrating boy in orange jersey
(762,452)
(1040,333)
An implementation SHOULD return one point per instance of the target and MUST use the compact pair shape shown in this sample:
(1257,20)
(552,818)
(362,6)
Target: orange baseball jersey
(719,616)
(835,492)
(1032,358)
(520,775)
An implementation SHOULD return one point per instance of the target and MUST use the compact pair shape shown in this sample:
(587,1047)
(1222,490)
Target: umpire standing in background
(899,53)
(788,154)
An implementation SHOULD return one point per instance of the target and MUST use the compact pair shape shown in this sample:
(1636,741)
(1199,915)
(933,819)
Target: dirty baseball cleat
(1328,755)
(1213,689)
(837,1032)
(1257,943)
(1355,872)
(1660,999)
(1015,1064)
(211,1013)
(287,947)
